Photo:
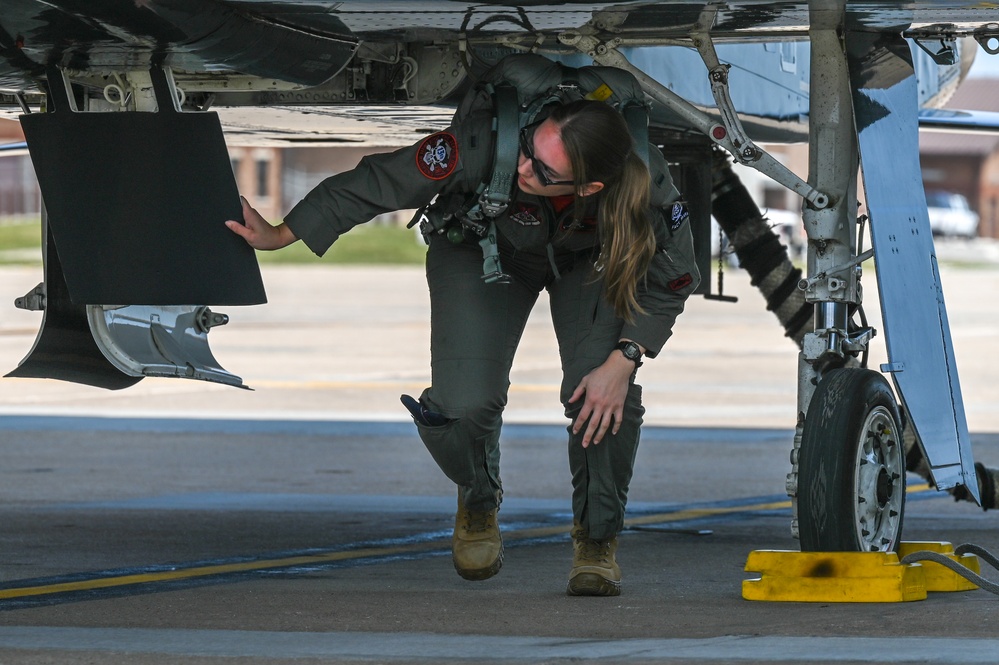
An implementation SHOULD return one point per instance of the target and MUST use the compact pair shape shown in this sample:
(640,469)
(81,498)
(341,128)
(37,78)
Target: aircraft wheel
(851,466)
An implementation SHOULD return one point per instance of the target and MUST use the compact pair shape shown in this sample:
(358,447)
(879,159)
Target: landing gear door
(114,347)
(920,350)
(135,242)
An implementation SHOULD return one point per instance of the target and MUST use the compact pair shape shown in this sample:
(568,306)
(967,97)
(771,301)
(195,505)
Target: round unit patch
(437,156)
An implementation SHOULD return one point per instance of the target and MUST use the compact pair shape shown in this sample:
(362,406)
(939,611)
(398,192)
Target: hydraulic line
(759,249)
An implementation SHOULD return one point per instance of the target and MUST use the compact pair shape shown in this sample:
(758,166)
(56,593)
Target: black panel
(65,348)
(137,204)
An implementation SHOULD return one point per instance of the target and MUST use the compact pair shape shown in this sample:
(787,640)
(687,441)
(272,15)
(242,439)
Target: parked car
(950,215)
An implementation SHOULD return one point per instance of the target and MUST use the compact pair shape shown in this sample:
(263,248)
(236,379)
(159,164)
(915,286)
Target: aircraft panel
(920,350)
(144,223)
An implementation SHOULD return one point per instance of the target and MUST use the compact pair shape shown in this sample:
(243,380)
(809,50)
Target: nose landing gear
(852,498)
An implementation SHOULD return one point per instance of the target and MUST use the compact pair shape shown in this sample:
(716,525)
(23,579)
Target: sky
(985,65)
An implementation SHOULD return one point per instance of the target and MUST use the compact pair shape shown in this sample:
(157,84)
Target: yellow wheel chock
(939,577)
(853,577)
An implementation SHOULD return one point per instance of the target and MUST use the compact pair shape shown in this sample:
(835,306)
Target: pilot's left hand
(606,388)
(258,232)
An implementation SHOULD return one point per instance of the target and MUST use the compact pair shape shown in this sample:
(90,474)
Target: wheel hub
(878,482)
(884,487)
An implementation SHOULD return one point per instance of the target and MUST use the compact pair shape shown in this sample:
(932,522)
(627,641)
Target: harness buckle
(498,277)
(492,202)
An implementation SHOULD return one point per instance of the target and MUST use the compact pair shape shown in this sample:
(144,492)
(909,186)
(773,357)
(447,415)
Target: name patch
(680,282)
(526,215)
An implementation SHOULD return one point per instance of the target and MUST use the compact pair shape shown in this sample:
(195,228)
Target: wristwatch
(631,351)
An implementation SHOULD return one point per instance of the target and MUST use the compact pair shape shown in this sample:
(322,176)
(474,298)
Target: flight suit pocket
(450,450)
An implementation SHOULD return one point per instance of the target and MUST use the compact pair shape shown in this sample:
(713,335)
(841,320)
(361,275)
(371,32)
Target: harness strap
(551,261)
(492,271)
(496,197)
(637,117)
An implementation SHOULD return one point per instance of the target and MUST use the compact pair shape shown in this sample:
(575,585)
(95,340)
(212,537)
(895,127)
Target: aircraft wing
(966,122)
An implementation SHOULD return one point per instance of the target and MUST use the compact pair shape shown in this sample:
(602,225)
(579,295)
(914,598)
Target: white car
(950,215)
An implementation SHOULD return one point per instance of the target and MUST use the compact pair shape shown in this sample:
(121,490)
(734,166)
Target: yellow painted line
(409,548)
(203,571)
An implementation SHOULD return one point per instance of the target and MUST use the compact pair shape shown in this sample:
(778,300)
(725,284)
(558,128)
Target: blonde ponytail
(627,241)
(600,149)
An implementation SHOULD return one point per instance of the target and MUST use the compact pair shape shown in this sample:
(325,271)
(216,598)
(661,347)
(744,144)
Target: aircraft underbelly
(920,350)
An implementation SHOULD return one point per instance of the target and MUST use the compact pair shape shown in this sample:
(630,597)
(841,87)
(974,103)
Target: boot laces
(477,522)
(594,550)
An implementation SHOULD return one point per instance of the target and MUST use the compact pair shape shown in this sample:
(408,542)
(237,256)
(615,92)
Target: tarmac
(304,522)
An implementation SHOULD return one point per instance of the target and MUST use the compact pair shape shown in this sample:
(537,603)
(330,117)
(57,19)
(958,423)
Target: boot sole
(591,584)
(479,574)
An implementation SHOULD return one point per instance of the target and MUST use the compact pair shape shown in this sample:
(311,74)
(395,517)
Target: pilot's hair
(600,149)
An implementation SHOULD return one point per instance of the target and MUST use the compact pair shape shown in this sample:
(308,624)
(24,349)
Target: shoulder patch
(678,215)
(437,156)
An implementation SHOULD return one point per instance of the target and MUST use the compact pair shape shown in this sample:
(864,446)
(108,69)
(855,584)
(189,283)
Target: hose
(759,249)
(963,571)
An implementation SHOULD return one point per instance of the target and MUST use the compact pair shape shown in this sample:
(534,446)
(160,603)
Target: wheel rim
(879,482)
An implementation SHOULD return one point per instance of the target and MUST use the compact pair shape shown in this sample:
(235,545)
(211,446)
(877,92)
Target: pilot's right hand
(258,232)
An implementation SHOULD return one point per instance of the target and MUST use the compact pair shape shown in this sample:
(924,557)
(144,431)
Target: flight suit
(476,326)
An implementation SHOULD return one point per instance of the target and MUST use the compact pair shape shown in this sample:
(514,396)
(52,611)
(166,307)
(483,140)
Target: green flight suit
(476,326)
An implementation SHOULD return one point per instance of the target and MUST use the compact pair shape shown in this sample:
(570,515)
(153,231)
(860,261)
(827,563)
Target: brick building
(273,179)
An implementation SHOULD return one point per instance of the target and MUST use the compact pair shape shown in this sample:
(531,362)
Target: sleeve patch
(680,282)
(437,156)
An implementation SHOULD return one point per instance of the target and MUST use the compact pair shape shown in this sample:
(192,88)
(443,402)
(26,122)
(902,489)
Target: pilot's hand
(258,232)
(605,388)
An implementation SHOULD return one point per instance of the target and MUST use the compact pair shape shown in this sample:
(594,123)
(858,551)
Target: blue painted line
(180,645)
(402,428)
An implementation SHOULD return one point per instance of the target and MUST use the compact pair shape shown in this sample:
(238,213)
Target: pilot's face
(543,167)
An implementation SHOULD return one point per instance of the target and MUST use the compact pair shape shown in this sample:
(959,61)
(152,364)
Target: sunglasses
(540,168)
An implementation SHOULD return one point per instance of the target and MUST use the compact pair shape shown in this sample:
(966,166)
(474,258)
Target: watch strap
(631,351)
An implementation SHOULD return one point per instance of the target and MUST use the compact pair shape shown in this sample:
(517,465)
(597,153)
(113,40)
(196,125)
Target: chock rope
(963,571)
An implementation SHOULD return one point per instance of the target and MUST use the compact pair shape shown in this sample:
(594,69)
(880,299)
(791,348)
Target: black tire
(851,466)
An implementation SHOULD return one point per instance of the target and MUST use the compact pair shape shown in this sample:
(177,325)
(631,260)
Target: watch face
(631,351)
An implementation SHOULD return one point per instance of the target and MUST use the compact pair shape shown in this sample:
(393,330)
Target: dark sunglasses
(540,168)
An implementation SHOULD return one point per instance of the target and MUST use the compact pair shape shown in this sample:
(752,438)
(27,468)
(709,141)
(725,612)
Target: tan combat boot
(594,569)
(476,546)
